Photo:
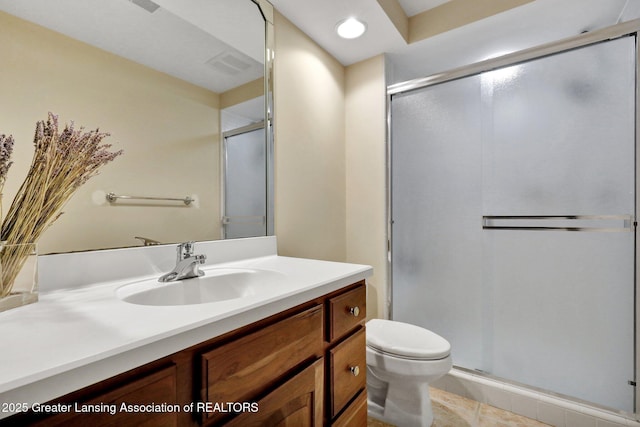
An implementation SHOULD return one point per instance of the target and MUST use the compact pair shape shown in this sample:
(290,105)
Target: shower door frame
(631,28)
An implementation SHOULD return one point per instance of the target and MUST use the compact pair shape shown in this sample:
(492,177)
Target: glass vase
(18,275)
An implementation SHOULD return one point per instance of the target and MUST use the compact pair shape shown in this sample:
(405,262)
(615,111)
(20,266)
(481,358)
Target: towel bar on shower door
(600,223)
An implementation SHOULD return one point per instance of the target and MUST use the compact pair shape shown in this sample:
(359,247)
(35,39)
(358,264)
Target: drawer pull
(355,370)
(354,311)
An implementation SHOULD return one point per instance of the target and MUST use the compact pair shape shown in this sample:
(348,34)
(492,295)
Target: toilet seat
(406,341)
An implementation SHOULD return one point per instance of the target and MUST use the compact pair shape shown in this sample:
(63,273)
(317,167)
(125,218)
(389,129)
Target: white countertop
(75,337)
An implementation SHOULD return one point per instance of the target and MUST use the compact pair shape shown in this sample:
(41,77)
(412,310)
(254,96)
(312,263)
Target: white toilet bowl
(402,360)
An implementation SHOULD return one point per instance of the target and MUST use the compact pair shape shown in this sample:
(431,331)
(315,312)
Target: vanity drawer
(346,312)
(355,415)
(244,368)
(347,370)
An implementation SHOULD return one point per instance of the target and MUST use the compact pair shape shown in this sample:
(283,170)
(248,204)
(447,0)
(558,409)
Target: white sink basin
(219,284)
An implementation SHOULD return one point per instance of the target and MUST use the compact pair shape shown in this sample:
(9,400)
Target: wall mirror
(179,85)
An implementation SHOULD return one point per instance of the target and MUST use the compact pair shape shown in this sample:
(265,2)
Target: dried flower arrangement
(6,149)
(62,162)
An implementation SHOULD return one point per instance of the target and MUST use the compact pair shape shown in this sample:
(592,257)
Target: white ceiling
(181,38)
(318,19)
(414,7)
(534,23)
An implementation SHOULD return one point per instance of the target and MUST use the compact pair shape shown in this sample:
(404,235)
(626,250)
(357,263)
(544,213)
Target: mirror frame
(266,9)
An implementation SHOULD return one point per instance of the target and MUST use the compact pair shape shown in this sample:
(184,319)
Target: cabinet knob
(354,311)
(355,370)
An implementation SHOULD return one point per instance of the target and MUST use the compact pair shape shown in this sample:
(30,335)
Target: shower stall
(513,214)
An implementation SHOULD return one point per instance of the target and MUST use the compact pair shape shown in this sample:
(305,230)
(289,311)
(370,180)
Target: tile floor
(451,410)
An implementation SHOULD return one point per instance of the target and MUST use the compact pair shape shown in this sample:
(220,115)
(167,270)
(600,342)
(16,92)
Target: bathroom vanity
(292,357)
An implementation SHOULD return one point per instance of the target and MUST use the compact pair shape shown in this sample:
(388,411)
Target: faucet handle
(188,247)
(185,250)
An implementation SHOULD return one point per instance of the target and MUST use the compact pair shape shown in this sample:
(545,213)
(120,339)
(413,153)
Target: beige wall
(454,14)
(366,178)
(155,118)
(309,127)
(240,94)
(445,17)
(330,157)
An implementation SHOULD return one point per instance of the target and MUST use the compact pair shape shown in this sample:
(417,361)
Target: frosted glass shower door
(558,204)
(512,219)
(436,210)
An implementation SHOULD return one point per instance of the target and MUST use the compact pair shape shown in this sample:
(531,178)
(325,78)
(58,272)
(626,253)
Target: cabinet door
(296,403)
(159,387)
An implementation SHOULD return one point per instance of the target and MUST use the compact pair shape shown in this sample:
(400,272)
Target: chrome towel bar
(602,223)
(112,198)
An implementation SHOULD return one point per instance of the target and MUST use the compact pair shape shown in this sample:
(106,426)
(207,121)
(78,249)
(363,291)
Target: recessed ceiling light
(351,28)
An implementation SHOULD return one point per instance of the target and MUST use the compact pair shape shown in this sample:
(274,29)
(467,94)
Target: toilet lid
(405,340)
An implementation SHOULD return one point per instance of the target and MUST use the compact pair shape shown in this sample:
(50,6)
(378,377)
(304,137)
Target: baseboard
(544,407)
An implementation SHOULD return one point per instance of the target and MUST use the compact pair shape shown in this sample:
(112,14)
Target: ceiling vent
(230,62)
(147,5)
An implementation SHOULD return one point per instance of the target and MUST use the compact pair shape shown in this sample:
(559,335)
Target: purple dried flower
(62,161)
(6,149)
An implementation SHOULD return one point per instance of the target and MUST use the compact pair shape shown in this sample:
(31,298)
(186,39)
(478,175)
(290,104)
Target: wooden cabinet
(139,398)
(303,367)
(296,403)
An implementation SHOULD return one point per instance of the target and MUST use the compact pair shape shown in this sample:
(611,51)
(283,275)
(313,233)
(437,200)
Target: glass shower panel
(559,133)
(245,185)
(560,312)
(436,211)
(559,140)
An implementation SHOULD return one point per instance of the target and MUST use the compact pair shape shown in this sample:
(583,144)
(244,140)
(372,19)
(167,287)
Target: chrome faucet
(186,264)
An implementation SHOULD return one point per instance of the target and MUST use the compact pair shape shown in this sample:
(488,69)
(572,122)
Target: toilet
(402,360)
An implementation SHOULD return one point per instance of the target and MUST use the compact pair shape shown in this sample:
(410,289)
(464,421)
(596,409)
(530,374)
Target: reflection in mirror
(244,171)
(165,78)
